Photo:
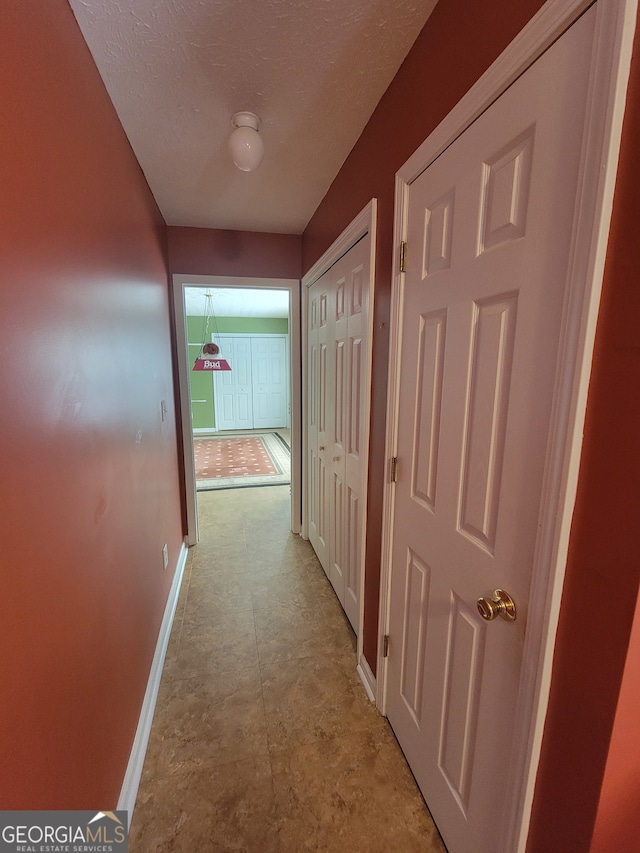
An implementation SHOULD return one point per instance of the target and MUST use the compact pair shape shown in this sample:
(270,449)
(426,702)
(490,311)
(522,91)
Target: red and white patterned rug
(249,460)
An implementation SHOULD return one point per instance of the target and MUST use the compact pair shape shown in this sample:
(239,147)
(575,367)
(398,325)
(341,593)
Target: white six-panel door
(489,233)
(337,335)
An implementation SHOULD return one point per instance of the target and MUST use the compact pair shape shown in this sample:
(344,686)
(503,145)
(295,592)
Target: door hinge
(403,256)
(385,646)
(394,469)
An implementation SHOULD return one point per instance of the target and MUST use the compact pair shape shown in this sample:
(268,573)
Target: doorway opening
(252,409)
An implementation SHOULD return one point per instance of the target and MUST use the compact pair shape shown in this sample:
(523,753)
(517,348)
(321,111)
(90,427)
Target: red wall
(617,824)
(208,251)
(89,485)
(459,42)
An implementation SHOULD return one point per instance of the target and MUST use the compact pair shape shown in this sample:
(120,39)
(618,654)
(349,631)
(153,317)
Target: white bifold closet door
(338,381)
(254,393)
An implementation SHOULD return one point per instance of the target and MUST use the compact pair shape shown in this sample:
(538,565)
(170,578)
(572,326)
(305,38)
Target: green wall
(201,381)
(236,325)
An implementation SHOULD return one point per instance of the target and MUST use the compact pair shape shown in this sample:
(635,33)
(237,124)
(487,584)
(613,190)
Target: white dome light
(245,143)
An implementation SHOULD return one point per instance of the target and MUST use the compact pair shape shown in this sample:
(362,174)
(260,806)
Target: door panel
(269,380)
(233,395)
(486,406)
(426,438)
(488,233)
(463,673)
(317,430)
(338,335)
(357,302)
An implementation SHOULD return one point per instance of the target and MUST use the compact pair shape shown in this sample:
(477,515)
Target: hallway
(263,738)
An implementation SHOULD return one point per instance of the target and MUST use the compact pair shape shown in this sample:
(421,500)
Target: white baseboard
(129,790)
(367,678)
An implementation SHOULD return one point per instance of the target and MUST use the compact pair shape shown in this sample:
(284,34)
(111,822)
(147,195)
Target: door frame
(283,336)
(609,73)
(178,283)
(364,223)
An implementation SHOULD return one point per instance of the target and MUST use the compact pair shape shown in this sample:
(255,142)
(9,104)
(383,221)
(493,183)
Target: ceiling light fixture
(245,143)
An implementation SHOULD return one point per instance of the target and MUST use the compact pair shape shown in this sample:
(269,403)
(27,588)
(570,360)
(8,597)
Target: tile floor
(263,738)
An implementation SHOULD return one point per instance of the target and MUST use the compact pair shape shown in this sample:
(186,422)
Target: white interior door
(348,441)
(337,501)
(317,419)
(269,380)
(338,382)
(489,233)
(232,388)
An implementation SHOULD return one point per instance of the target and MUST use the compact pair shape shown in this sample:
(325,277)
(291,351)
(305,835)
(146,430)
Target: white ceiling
(312,70)
(235,302)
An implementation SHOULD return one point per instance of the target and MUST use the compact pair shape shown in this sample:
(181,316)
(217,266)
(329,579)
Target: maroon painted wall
(603,569)
(89,484)
(458,43)
(617,825)
(207,251)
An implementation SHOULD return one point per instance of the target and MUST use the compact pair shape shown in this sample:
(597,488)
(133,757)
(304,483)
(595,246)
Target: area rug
(231,462)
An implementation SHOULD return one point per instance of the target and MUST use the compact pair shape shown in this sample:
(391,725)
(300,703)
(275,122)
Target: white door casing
(179,282)
(482,395)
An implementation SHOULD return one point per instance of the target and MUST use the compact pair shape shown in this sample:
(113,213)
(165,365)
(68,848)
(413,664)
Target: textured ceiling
(235,302)
(313,70)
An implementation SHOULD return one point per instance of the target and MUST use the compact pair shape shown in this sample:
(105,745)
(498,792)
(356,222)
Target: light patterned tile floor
(263,738)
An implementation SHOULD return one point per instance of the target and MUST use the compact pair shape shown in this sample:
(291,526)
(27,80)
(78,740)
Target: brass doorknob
(501,605)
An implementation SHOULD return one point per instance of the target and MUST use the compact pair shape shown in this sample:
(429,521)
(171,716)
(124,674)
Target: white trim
(367,678)
(609,73)
(185,412)
(131,782)
(391,436)
(179,282)
(364,223)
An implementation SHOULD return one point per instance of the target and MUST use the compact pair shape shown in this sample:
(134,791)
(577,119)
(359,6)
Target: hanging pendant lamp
(208,358)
